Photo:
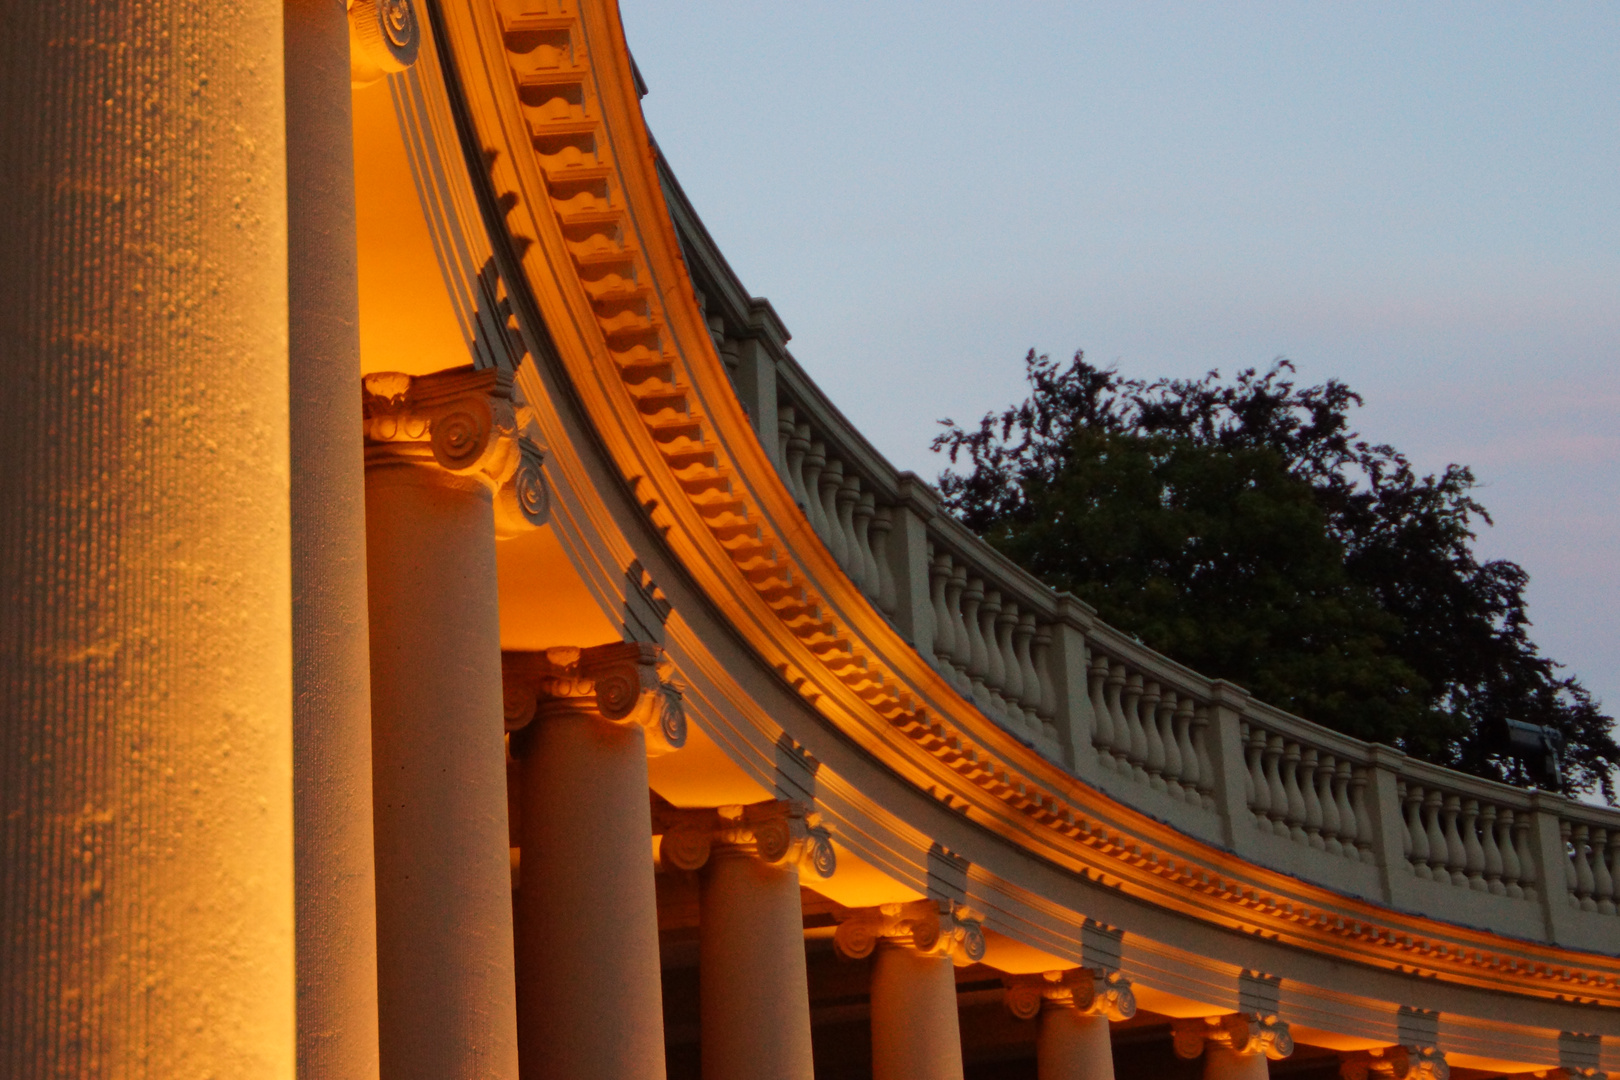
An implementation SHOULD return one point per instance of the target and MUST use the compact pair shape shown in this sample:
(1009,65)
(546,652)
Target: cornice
(551,99)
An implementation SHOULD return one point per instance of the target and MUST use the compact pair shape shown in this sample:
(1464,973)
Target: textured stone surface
(146,905)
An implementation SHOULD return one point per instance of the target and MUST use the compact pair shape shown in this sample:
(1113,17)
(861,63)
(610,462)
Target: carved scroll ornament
(779,832)
(1088,990)
(1241,1033)
(1395,1063)
(931,927)
(465,422)
(383,38)
(620,683)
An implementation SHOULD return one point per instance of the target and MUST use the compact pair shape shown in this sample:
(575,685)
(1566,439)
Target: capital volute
(1242,1033)
(1091,991)
(620,683)
(464,422)
(384,37)
(931,927)
(779,832)
(1395,1063)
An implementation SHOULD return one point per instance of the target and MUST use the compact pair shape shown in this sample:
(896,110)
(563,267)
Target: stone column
(439,449)
(1074,1008)
(1395,1063)
(336,884)
(915,1031)
(590,1003)
(1235,1046)
(755,996)
(146,899)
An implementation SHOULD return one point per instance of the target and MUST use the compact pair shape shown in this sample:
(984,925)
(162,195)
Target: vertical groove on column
(336,881)
(145,733)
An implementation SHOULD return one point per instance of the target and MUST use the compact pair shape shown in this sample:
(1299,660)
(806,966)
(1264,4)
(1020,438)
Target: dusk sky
(1423,201)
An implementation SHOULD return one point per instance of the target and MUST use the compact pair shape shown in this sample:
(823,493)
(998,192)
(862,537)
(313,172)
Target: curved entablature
(1010,705)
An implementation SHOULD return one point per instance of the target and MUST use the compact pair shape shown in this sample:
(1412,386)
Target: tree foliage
(1242,528)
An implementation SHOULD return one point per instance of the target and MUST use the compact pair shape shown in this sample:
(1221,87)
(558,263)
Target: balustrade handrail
(1196,752)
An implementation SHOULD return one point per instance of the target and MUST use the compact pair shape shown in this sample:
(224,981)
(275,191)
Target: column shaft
(755,997)
(590,1002)
(1223,1064)
(336,884)
(146,903)
(1073,1045)
(915,1031)
(444,896)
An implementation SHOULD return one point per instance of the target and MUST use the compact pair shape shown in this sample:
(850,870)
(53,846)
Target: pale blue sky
(1421,200)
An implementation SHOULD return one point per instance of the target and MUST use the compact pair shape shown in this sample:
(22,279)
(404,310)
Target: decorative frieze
(932,927)
(1087,990)
(1242,1033)
(1395,1063)
(780,832)
(620,682)
(465,422)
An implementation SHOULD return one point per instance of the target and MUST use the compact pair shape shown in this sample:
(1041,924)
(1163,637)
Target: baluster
(1344,782)
(1029,680)
(1121,728)
(832,479)
(1136,753)
(1012,679)
(1456,857)
(1584,881)
(791,455)
(1041,659)
(1165,721)
(1363,815)
(1572,878)
(1417,833)
(1512,872)
(861,518)
(1205,794)
(1147,708)
(1279,792)
(815,460)
(1296,798)
(1330,807)
(1527,862)
(1493,852)
(939,577)
(1186,770)
(1102,721)
(882,526)
(1313,805)
(978,655)
(995,668)
(1259,789)
(1438,849)
(961,644)
(1473,851)
(1602,883)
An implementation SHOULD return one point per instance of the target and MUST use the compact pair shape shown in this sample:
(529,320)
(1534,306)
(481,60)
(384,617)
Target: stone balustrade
(1198,753)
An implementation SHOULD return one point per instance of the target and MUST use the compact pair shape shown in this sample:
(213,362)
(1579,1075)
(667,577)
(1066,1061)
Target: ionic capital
(931,927)
(1088,990)
(1241,1033)
(778,832)
(465,422)
(1395,1063)
(383,38)
(619,683)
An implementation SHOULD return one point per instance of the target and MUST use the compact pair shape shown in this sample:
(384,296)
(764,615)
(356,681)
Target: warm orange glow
(406,321)
(858,883)
(543,601)
(1016,958)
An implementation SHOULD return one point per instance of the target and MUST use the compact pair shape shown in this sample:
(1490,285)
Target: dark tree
(1245,530)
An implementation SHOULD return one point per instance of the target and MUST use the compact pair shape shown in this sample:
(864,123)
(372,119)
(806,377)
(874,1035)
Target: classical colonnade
(275,800)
